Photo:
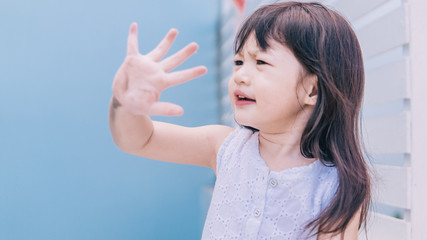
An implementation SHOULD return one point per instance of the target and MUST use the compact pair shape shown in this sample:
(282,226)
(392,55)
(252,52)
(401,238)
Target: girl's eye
(260,62)
(238,63)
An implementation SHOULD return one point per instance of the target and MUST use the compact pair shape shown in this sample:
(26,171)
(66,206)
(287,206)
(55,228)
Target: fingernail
(133,27)
(173,30)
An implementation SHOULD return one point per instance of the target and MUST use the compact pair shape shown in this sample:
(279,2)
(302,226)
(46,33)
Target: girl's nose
(241,76)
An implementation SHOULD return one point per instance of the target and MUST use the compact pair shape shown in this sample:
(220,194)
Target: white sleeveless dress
(251,202)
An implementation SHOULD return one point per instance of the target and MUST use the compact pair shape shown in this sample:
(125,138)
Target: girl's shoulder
(238,137)
(323,175)
(232,147)
(326,182)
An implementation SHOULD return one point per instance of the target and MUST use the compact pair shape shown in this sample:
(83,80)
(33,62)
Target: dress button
(257,212)
(273,182)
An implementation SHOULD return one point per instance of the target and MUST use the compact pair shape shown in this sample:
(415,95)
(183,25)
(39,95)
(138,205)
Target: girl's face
(265,89)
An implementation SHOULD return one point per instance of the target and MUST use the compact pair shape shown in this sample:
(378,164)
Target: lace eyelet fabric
(251,202)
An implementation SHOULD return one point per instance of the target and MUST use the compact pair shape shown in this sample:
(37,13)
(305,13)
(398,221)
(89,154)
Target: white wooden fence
(390,33)
(393,36)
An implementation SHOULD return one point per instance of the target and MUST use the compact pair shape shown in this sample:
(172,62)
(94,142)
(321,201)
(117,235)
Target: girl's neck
(281,150)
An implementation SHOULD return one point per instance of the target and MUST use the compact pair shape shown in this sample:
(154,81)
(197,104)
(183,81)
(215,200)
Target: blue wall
(61,176)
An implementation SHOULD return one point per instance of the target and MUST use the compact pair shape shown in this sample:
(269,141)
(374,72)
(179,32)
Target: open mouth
(242,98)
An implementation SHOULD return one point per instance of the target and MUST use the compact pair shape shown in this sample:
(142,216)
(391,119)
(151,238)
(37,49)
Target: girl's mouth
(243,99)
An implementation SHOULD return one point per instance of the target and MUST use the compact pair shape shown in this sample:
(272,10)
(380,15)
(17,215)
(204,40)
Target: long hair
(325,45)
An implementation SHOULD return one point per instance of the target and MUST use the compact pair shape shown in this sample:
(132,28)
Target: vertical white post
(418,58)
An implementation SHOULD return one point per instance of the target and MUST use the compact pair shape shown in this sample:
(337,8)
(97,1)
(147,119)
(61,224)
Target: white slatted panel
(393,186)
(389,134)
(382,28)
(382,227)
(354,9)
(391,78)
(388,32)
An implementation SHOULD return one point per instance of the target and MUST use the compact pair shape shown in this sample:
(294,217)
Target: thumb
(165,109)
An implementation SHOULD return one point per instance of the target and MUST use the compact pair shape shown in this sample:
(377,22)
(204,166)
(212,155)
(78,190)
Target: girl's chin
(244,123)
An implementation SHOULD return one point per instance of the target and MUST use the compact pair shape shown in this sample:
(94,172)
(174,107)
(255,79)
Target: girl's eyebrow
(253,54)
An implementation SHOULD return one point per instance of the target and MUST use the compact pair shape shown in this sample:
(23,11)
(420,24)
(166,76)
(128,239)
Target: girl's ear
(311,90)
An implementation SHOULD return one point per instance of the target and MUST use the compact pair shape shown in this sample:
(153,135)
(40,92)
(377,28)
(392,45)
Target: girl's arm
(136,90)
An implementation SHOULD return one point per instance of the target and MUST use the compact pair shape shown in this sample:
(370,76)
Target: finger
(178,58)
(133,40)
(185,75)
(160,51)
(165,109)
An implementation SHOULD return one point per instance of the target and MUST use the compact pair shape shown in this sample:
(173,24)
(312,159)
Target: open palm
(141,78)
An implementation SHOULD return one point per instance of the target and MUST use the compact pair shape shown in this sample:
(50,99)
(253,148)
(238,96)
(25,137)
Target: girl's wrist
(115,103)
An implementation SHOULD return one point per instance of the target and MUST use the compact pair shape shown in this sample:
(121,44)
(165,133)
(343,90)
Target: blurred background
(61,176)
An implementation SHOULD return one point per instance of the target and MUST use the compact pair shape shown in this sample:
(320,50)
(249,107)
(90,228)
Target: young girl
(294,168)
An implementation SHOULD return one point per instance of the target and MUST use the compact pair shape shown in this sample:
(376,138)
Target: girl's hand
(141,78)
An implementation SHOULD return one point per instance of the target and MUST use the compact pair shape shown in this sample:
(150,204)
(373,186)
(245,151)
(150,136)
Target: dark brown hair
(325,45)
